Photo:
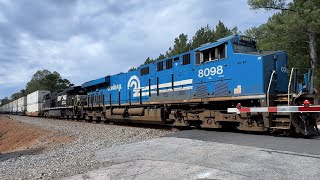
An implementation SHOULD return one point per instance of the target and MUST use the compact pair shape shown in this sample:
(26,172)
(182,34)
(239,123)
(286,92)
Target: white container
(22,104)
(34,102)
(10,107)
(36,97)
(34,109)
(14,106)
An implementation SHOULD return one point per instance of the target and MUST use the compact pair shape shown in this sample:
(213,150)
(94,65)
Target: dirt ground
(16,136)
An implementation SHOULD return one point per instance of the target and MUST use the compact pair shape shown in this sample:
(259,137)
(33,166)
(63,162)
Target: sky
(85,40)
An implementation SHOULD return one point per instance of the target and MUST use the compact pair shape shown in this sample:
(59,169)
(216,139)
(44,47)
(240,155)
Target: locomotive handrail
(268,91)
(289,85)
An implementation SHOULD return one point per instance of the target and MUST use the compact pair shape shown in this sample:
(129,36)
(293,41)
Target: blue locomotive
(224,84)
(197,87)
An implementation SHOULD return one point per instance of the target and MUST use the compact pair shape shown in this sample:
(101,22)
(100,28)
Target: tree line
(203,35)
(294,27)
(41,80)
(52,81)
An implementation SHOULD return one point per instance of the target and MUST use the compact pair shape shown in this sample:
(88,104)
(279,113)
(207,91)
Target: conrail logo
(134,82)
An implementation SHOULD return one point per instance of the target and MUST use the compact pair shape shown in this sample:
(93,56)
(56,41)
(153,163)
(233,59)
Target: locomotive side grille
(201,91)
(221,89)
(181,93)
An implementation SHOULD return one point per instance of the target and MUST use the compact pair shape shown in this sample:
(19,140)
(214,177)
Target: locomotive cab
(233,66)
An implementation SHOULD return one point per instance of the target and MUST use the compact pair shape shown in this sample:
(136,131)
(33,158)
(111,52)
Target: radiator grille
(221,89)
(201,91)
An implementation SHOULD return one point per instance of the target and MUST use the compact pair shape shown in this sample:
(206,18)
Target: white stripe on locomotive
(164,85)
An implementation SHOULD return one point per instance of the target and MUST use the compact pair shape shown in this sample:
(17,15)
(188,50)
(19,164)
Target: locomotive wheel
(106,121)
(98,119)
(88,118)
(46,114)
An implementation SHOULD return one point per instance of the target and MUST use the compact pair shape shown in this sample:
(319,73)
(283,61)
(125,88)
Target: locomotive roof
(217,43)
(201,48)
(96,82)
(71,89)
(106,79)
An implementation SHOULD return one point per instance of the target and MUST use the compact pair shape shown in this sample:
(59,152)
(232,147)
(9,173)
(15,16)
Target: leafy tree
(202,36)
(235,30)
(41,80)
(18,95)
(276,35)
(132,69)
(206,34)
(40,74)
(4,101)
(222,31)
(168,53)
(294,28)
(148,61)
(45,80)
(36,82)
(161,56)
(181,45)
(301,16)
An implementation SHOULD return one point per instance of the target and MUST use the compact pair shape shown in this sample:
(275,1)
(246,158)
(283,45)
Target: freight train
(224,84)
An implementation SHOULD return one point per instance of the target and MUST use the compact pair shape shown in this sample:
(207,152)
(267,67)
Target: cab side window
(212,54)
(169,64)
(186,59)
(160,66)
(144,71)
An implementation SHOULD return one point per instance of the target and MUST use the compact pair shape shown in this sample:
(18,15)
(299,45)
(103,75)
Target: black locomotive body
(64,104)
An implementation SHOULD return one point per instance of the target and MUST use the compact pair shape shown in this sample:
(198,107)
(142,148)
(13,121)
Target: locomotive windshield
(245,45)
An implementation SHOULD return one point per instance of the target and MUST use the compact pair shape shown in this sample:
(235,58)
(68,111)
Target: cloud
(84,40)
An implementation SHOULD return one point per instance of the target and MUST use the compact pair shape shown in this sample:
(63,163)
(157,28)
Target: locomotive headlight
(306,103)
(239,105)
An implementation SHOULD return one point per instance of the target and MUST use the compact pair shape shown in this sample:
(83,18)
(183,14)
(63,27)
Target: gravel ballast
(64,160)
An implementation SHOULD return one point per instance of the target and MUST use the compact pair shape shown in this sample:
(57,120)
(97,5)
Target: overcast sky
(85,40)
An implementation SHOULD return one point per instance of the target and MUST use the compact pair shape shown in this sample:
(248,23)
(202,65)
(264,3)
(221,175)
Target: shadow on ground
(16,154)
